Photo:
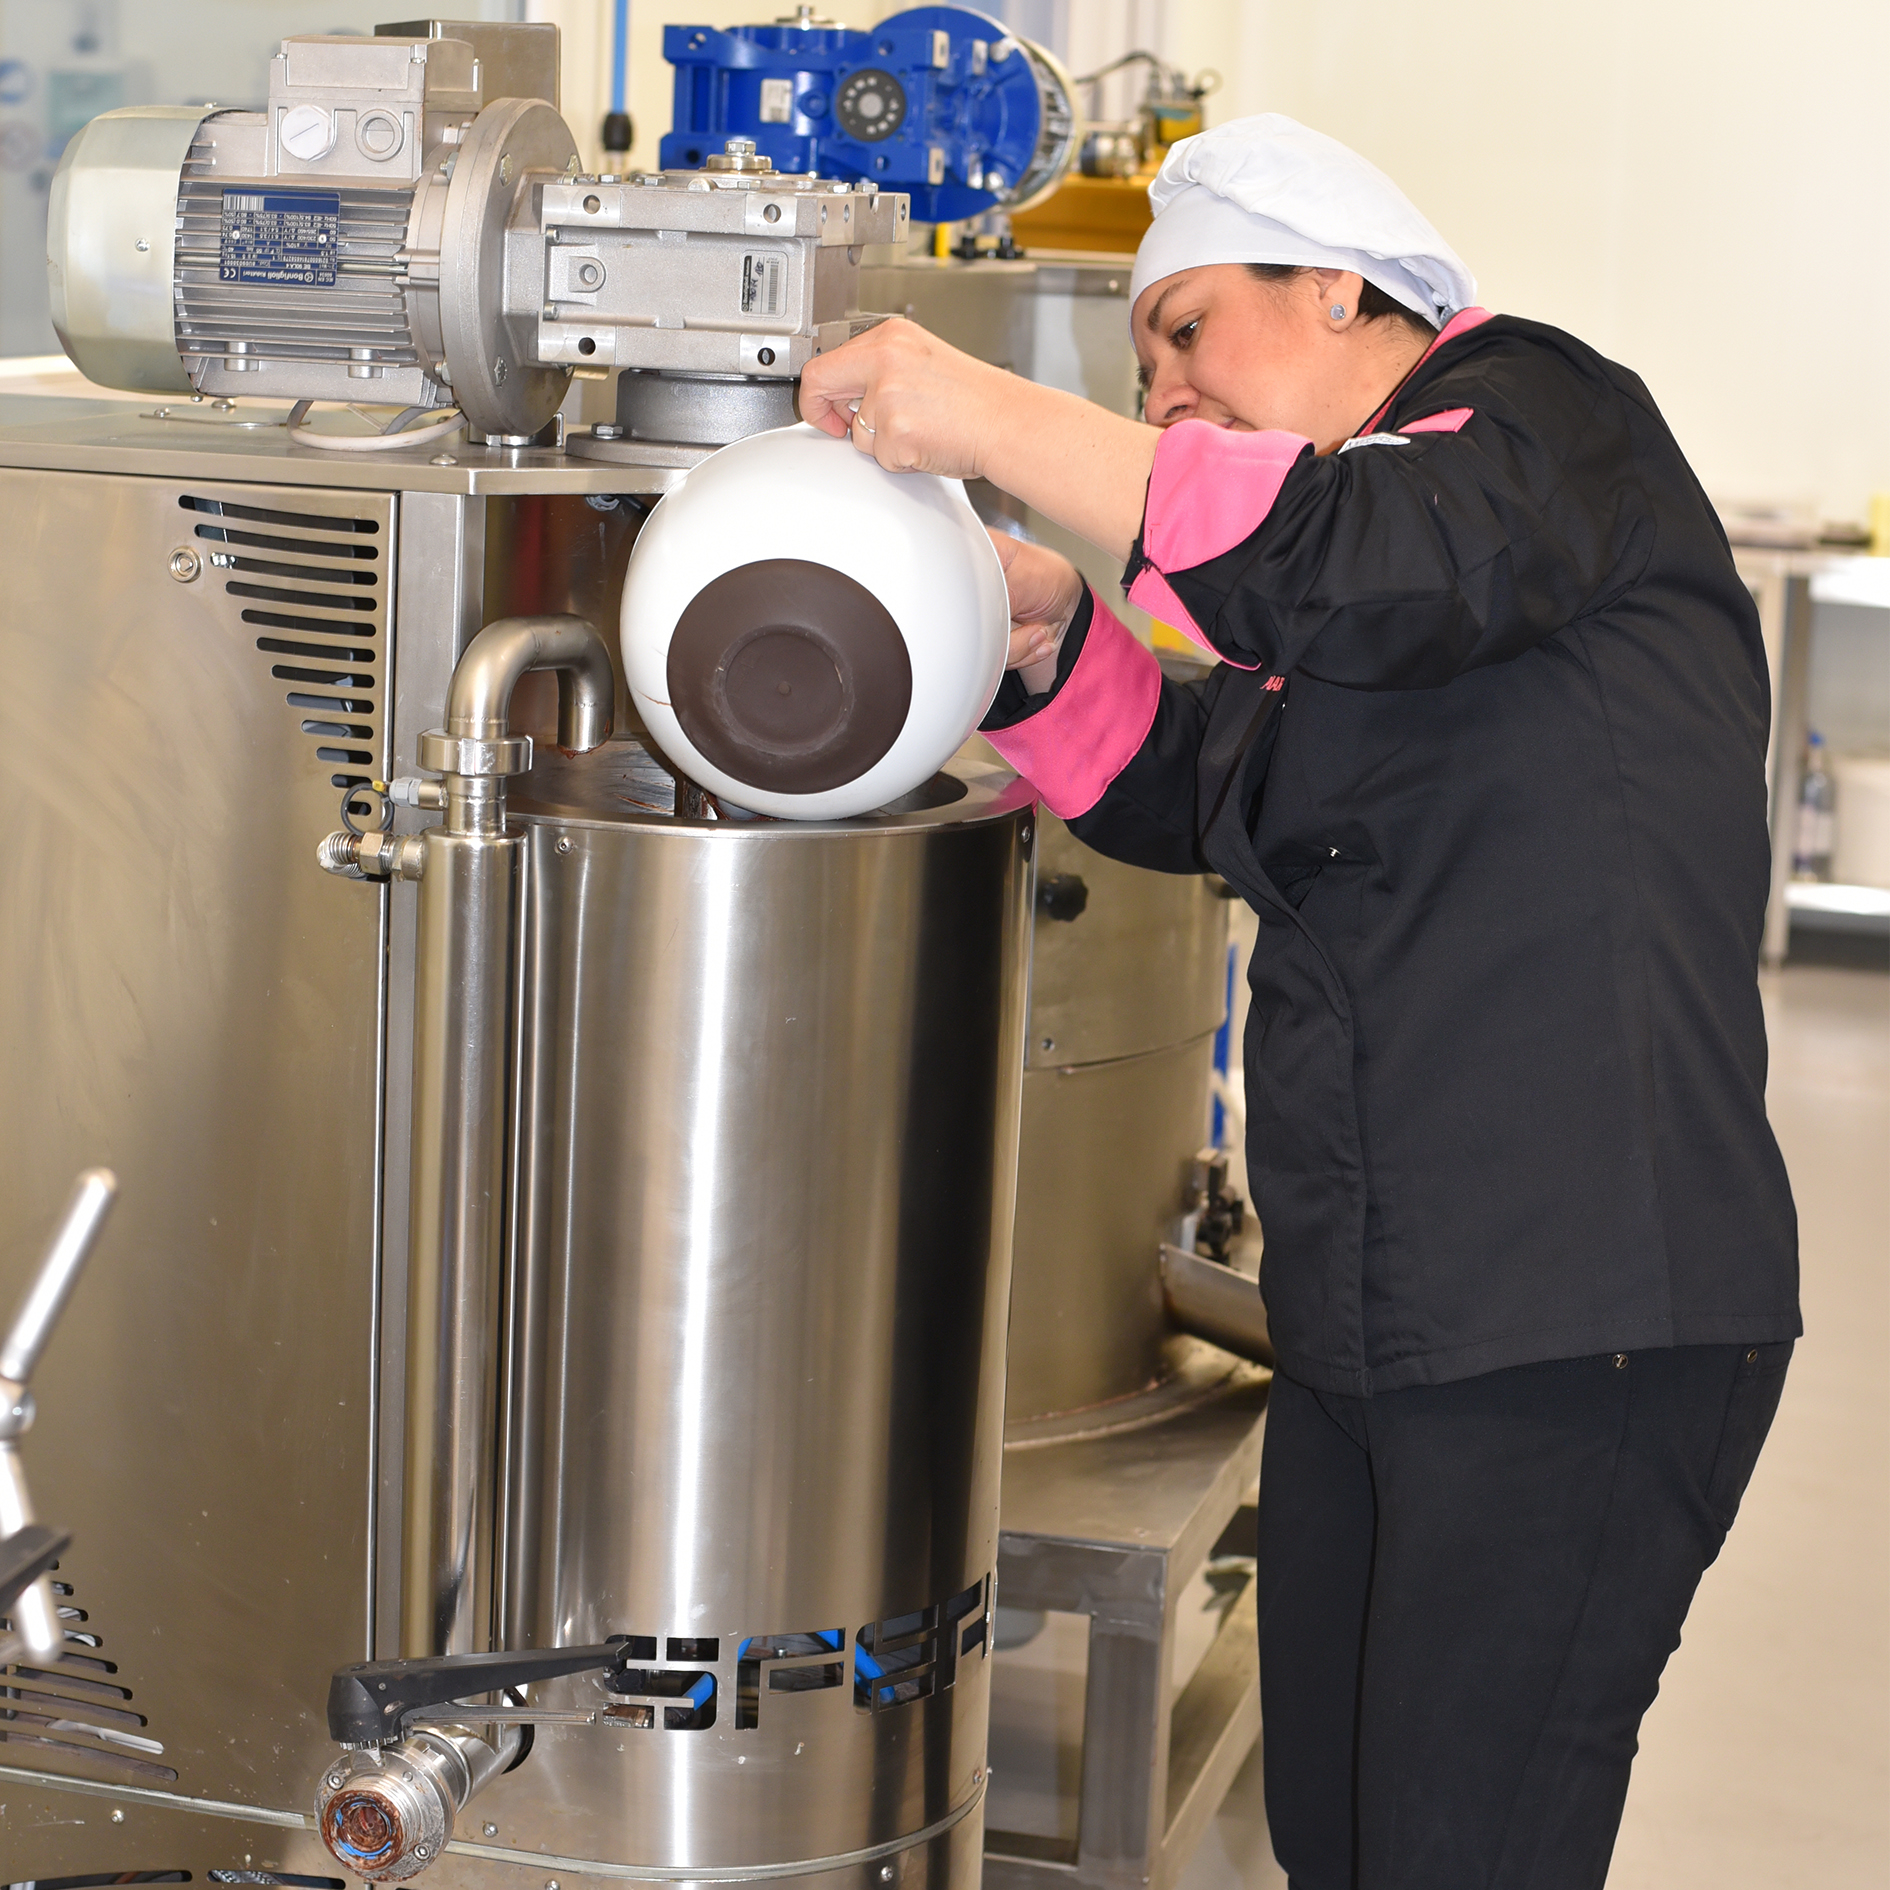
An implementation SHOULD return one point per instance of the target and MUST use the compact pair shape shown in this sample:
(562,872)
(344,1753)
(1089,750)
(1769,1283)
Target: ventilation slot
(78,1709)
(276,1877)
(312,586)
(140,1876)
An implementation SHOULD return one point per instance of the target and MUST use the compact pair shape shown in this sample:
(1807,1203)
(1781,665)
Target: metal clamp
(473,757)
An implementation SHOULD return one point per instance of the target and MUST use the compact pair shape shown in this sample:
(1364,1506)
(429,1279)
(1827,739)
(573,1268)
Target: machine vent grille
(101,1883)
(278,1877)
(77,1709)
(314,586)
(365,309)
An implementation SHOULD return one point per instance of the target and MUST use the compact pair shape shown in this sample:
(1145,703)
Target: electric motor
(407,224)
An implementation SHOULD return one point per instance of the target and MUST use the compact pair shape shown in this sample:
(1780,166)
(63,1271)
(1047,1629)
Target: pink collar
(1460,323)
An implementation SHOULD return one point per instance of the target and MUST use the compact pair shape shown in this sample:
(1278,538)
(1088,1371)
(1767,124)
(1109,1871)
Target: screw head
(118,1817)
(186,566)
(885,1873)
(564,843)
(335,1781)
(489,1830)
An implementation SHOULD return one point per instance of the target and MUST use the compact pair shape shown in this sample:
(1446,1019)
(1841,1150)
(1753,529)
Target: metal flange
(468,756)
(513,145)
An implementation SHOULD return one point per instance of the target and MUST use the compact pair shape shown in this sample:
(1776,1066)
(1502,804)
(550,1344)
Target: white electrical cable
(370,442)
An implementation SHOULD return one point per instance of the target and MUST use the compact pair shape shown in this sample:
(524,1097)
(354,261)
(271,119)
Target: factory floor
(1766,1759)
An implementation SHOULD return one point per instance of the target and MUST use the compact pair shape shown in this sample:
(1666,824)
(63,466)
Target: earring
(1338,311)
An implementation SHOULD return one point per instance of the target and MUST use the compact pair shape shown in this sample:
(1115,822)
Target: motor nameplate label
(288,237)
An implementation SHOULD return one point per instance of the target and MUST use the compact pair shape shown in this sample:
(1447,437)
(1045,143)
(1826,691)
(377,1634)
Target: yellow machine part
(1106,214)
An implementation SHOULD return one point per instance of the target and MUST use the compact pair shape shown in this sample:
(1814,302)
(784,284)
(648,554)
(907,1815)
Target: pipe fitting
(479,705)
(372,855)
(387,1812)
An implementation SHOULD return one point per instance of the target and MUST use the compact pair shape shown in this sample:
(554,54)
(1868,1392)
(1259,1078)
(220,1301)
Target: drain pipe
(466,974)
(388,1810)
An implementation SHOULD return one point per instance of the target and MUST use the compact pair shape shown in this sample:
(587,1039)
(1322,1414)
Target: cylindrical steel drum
(1128,985)
(769,1103)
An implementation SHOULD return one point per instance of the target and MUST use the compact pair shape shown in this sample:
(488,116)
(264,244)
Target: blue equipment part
(942,102)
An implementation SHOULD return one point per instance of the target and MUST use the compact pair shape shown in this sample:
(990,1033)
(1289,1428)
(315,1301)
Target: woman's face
(1219,344)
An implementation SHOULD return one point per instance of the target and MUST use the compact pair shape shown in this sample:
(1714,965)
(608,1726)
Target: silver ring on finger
(859,420)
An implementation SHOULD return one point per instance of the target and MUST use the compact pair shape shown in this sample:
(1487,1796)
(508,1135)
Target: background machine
(539,1412)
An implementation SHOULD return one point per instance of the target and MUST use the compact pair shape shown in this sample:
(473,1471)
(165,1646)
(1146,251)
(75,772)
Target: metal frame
(1114,1527)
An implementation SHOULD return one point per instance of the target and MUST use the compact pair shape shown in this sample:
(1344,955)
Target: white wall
(1700,188)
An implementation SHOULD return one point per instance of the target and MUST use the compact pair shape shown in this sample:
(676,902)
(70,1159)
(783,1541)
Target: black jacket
(1504,825)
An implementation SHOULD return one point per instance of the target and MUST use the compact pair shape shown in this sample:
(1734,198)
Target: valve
(386,1806)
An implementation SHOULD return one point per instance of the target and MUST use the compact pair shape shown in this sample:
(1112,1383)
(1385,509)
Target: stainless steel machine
(542,1413)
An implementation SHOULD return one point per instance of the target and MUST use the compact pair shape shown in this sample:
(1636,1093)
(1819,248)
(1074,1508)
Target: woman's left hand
(908,399)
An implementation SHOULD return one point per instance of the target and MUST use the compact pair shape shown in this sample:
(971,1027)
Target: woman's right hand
(1045,590)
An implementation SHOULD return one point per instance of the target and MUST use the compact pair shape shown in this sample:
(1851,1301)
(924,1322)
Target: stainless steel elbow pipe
(465,980)
(479,702)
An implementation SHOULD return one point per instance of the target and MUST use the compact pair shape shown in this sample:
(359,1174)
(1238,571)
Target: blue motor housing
(942,102)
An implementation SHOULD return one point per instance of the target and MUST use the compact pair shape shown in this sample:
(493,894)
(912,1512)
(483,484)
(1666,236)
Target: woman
(1485,753)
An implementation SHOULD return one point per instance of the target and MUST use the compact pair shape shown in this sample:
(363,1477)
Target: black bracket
(370,1703)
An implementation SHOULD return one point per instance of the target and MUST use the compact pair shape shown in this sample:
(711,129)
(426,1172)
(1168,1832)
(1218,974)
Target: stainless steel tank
(766,1122)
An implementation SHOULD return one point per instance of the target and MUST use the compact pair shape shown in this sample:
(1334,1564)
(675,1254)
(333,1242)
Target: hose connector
(387,1812)
(372,855)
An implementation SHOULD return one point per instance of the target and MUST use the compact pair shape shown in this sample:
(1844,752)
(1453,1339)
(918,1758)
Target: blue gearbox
(943,102)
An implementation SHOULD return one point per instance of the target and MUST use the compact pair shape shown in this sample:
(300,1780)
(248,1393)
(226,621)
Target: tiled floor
(1765,1763)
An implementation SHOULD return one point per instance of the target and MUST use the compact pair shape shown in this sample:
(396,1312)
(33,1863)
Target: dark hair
(1373,302)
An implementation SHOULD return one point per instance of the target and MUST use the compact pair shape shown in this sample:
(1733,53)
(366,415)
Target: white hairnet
(1268,190)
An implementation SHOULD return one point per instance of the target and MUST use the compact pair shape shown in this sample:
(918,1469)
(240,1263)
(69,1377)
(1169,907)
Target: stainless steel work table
(1114,1527)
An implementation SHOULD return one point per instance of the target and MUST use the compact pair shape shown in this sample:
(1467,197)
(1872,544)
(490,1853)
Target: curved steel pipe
(1213,1302)
(479,702)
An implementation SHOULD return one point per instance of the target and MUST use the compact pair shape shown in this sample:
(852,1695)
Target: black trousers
(1467,1593)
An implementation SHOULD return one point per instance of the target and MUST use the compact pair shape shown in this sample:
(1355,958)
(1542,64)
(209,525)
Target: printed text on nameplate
(289,237)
